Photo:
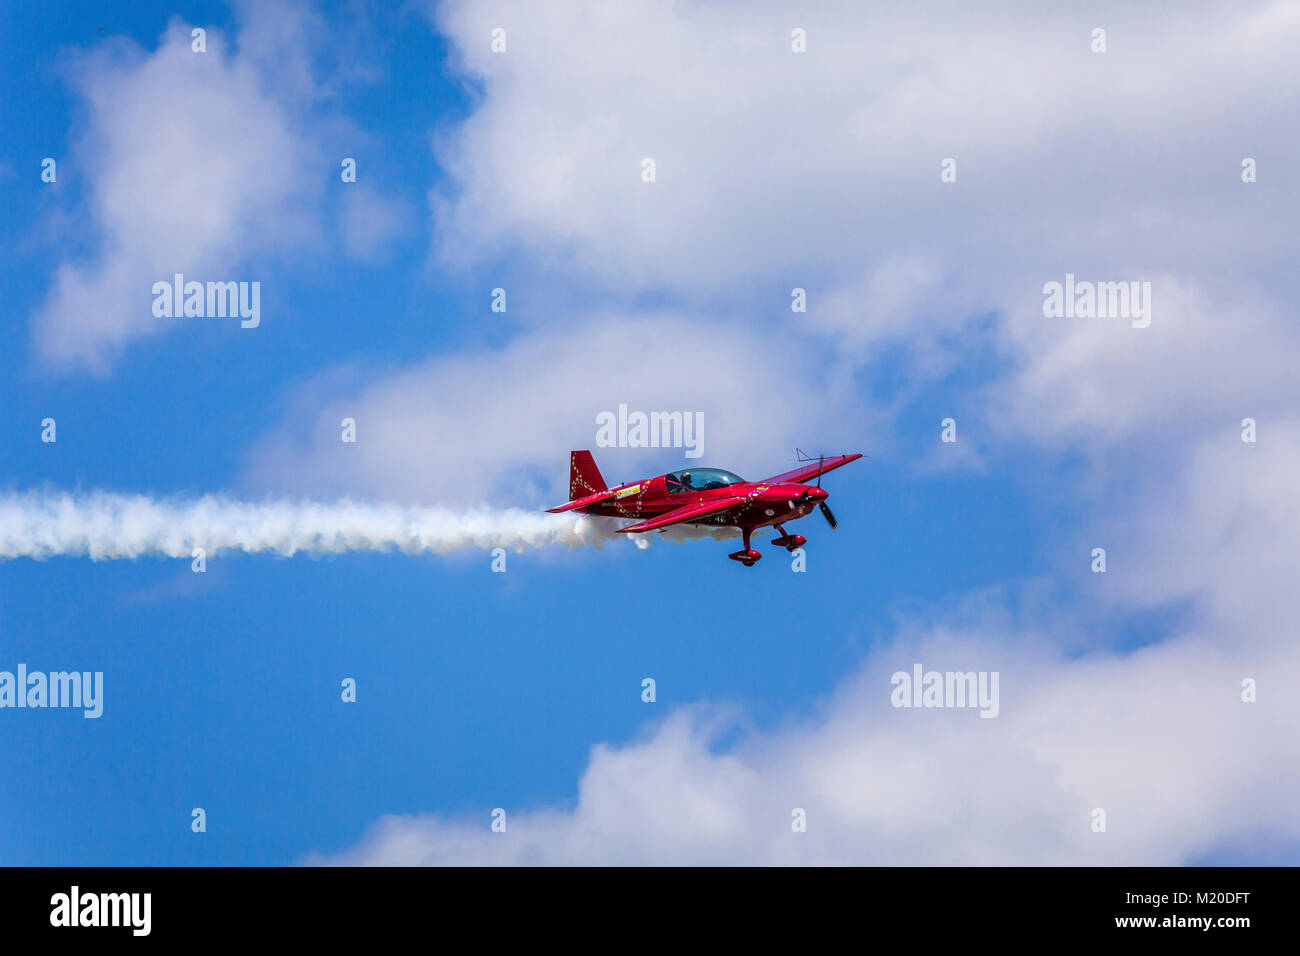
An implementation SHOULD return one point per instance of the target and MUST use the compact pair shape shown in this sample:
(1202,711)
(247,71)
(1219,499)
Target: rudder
(584,476)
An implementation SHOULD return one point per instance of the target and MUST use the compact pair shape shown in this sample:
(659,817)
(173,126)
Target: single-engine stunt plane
(706,496)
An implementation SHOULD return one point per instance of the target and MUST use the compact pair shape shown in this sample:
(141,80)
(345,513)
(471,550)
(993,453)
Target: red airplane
(705,496)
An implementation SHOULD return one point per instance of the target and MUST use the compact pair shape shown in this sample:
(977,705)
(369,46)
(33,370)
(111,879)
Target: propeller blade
(820,461)
(826,513)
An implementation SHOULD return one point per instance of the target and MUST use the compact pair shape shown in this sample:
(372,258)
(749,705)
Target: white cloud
(821,170)
(769,158)
(1159,739)
(1225,533)
(191,166)
(1204,362)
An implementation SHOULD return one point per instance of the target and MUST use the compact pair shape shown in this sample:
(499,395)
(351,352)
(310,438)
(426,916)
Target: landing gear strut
(789,541)
(748,555)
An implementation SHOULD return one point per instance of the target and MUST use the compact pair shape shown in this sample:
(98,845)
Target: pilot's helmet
(686,478)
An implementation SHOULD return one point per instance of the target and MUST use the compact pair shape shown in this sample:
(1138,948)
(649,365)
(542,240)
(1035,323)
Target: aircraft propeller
(803,498)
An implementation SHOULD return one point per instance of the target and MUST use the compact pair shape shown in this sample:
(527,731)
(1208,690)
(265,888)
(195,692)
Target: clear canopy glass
(700,479)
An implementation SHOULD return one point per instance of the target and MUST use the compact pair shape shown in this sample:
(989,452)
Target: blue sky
(522,690)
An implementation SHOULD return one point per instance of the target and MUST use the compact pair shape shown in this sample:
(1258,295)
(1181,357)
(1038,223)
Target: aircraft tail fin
(584,476)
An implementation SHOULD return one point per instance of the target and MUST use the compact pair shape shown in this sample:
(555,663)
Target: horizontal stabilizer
(578,503)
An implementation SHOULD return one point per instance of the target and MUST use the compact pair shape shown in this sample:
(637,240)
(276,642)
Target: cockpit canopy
(700,479)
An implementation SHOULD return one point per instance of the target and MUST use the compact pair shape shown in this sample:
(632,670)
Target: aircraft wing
(801,476)
(688,513)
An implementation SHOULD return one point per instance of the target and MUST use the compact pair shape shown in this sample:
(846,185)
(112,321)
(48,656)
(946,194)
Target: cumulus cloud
(207,164)
(191,167)
(1205,361)
(1158,739)
(1225,533)
(821,170)
(769,158)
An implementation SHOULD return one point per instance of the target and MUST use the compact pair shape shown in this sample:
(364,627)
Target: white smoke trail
(105,526)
